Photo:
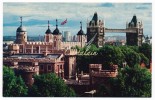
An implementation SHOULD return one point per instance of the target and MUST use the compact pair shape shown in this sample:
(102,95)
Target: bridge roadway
(120,31)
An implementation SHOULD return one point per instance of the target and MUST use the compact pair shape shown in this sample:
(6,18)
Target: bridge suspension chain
(89,43)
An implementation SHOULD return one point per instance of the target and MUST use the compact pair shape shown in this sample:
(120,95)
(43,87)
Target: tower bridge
(134,31)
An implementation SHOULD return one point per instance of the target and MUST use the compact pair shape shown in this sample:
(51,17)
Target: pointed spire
(81,31)
(81,25)
(48,31)
(21,21)
(56,23)
(48,24)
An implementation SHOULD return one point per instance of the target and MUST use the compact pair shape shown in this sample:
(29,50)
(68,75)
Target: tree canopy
(13,86)
(146,49)
(110,55)
(131,82)
(50,85)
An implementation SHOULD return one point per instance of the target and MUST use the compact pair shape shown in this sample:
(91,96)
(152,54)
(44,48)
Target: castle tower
(57,37)
(134,38)
(81,36)
(96,27)
(48,35)
(21,34)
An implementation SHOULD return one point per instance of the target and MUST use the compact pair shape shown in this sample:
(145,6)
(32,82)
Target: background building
(67,36)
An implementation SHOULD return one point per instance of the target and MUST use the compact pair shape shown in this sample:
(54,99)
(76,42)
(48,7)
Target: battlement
(104,73)
(30,60)
(96,71)
(39,43)
(27,68)
(13,47)
(68,45)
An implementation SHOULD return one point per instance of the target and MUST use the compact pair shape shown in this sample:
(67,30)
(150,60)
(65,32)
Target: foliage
(146,49)
(102,91)
(110,55)
(93,48)
(132,82)
(83,62)
(13,86)
(134,48)
(50,85)
(131,57)
(144,59)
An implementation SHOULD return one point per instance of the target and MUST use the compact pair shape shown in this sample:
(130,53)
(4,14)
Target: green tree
(93,48)
(144,59)
(110,55)
(13,86)
(135,48)
(83,61)
(146,49)
(132,82)
(131,57)
(50,85)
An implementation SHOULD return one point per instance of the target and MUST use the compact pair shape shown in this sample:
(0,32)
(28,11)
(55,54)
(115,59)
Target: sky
(36,15)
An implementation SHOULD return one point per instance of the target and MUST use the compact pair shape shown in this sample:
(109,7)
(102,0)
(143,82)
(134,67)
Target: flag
(64,22)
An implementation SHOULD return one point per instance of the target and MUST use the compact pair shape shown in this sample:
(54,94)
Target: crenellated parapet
(38,43)
(27,73)
(14,47)
(46,60)
(68,45)
(96,71)
(28,68)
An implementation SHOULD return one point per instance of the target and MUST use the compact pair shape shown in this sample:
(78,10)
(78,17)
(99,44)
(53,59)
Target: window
(60,66)
(49,67)
(41,67)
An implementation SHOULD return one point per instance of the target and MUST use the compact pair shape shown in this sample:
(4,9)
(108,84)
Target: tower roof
(134,21)
(48,31)
(56,31)
(95,19)
(81,31)
(21,28)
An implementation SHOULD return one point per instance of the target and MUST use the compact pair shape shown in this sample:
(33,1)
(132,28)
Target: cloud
(36,15)
(142,8)
(150,4)
(107,5)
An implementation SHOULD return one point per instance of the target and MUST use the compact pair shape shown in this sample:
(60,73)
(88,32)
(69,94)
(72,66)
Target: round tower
(48,35)
(21,34)
(81,36)
(57,37)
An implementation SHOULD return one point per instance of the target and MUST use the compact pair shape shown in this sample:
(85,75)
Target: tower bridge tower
(96,26)
(134,38)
